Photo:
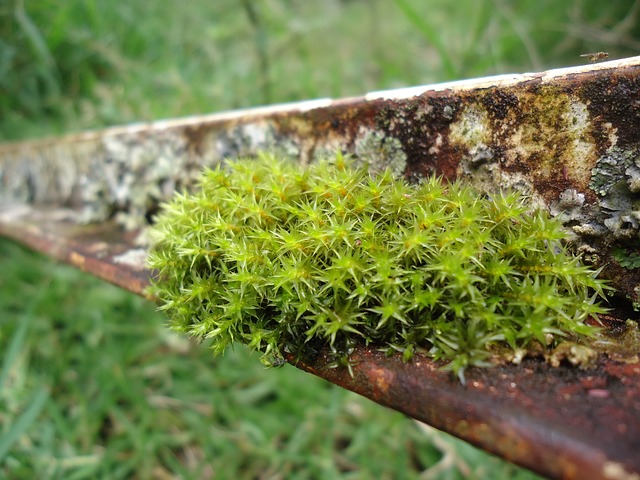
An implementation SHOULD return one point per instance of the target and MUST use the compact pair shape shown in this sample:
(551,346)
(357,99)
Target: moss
(626,258)
(290,260)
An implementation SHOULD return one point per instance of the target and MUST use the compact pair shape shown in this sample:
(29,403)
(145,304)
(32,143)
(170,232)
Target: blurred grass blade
(472,60)
(38,43)
(6,57)
(432,35)
(12,352)
(23,422)
(19,336)
(522,33)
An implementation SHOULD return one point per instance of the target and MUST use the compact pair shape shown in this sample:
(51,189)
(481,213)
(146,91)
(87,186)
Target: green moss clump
(289,260)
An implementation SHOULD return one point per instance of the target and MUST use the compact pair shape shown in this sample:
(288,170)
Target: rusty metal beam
(104,250)
(570,138)
(560,422)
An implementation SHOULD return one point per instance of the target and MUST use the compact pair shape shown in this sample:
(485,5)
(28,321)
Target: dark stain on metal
(613,98)
(500,104)
(425,140)
(195,136)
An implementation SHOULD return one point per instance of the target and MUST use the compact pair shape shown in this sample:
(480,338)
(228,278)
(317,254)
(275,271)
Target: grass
(92,64)
(92,384)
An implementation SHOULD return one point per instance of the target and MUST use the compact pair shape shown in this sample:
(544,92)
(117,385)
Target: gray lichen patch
(611,169)
(568,208)
(43,176)
(133,174)
(124,175)
(380,151)
(249,139)
(482,169)
(119,175)
(616,180)
(473,129)
(139,172)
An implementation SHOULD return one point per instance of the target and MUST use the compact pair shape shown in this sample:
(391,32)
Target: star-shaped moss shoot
(290,260)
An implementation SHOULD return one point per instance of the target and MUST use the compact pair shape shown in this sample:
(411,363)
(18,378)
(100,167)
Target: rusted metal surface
(569,138)
(560,422)
(104,250)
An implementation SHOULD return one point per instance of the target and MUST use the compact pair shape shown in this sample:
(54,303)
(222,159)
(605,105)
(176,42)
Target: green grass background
(92,384)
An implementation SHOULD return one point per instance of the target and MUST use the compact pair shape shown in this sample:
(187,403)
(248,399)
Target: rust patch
(382,378)
(91,248)
(77,260)
(513,410)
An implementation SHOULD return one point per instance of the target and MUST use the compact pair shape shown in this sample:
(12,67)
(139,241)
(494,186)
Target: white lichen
(381,151)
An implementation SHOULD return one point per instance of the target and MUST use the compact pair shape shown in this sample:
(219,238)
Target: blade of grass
(17,343)
(12,352)
(431,35)
(472,60)
(261,47)
(23,422)
(36,40)
(521,32)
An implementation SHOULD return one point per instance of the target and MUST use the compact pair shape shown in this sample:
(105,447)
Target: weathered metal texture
(104,250)
(570,138)
(562,423)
